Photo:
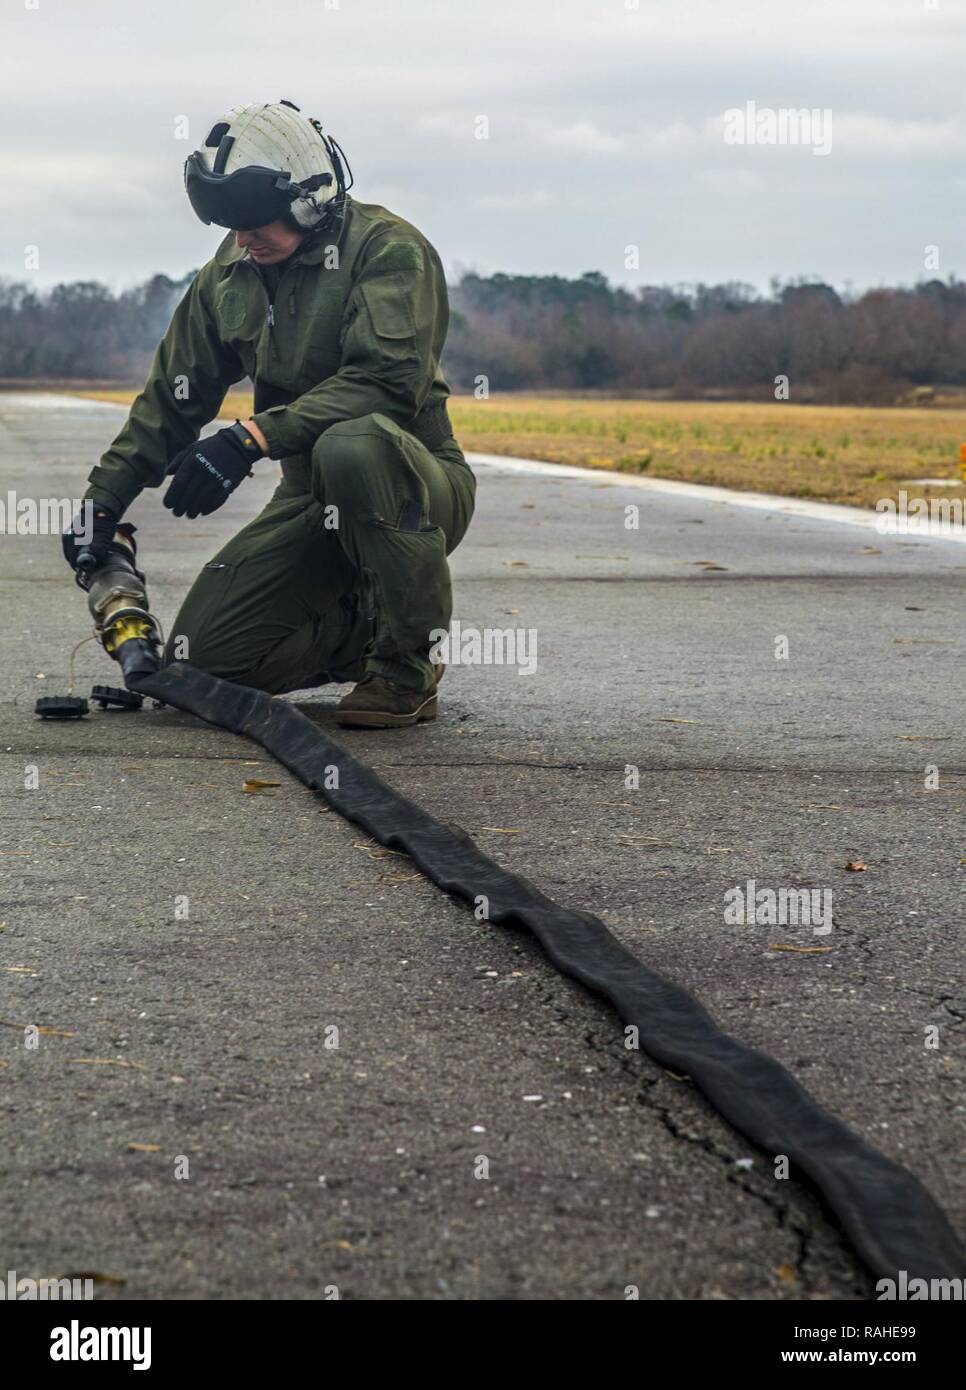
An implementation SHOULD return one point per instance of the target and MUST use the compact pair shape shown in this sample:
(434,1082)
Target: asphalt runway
(328,1076)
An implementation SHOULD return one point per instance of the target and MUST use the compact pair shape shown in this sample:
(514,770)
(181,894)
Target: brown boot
(377,703)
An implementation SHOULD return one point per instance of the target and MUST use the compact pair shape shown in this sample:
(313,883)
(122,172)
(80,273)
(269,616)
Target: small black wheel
(61,707)
(109,696)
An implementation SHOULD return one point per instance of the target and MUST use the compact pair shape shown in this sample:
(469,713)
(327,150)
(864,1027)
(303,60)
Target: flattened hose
(892,1221)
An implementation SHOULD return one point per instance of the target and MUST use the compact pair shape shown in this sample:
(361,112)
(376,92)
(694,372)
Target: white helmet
(266,161)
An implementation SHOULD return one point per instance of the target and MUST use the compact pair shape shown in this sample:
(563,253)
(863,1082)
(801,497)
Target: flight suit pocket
(199,617)
(239,321)
(390,314)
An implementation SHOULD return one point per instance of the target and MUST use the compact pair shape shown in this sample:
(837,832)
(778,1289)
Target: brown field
(847,454)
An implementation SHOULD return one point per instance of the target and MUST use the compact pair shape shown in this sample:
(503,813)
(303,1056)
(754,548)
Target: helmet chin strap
(331,214)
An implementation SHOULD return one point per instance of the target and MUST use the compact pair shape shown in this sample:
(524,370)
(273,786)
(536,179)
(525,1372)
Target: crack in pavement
(788,1217)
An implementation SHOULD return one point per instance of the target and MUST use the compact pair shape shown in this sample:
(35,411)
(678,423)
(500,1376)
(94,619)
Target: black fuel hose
(890,1218)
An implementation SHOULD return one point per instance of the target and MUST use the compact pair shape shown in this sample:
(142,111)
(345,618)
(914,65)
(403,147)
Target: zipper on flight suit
(271,305)
(292,262)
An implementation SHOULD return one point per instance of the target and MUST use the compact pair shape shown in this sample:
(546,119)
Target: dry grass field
(847,454)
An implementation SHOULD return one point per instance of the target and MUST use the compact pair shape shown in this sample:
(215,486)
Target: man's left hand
(206,473)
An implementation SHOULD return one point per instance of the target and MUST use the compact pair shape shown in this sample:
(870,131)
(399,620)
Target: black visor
(241,201)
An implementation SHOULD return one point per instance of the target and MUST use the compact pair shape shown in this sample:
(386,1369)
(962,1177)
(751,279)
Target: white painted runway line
(699,492)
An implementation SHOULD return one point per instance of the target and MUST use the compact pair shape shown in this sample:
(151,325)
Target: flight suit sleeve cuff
(271,422)
(110,501)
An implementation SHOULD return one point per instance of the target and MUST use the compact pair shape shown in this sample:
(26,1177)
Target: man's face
(270,244)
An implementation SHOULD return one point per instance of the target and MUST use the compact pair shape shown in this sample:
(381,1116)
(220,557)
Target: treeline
(544,332)
(83,330)
(528,332)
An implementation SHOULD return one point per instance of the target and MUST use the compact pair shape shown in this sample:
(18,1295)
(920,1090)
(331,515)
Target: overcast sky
(606,130)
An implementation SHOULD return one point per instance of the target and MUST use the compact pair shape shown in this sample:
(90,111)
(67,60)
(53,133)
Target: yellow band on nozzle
(123,630)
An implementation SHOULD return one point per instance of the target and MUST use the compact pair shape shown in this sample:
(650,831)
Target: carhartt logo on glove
(206,473)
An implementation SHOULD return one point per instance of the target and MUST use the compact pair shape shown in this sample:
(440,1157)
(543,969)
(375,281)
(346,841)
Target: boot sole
(383,719)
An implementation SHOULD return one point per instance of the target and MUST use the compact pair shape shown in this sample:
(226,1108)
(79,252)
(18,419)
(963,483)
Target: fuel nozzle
(117,597)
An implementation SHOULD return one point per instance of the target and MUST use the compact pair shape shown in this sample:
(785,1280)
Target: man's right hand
(89,540)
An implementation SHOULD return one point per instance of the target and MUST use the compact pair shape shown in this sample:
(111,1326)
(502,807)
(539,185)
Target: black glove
(207,473)
(92,541)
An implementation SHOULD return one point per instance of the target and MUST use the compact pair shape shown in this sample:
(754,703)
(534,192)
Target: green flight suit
(345,569)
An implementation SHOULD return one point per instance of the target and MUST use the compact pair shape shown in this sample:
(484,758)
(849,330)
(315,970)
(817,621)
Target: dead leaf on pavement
(857,866)
(257,787)
(805,950)
(376,851)
(144,1148)
(104,1061)
(51,1032)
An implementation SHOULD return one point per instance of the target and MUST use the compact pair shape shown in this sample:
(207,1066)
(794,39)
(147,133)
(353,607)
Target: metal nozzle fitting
(117,598)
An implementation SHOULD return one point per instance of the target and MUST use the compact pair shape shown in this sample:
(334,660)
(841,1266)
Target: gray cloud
(605,123)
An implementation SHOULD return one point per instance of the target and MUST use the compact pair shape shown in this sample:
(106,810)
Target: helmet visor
(241,201)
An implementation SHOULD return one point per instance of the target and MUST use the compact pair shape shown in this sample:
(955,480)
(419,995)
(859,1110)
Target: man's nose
(243,239)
